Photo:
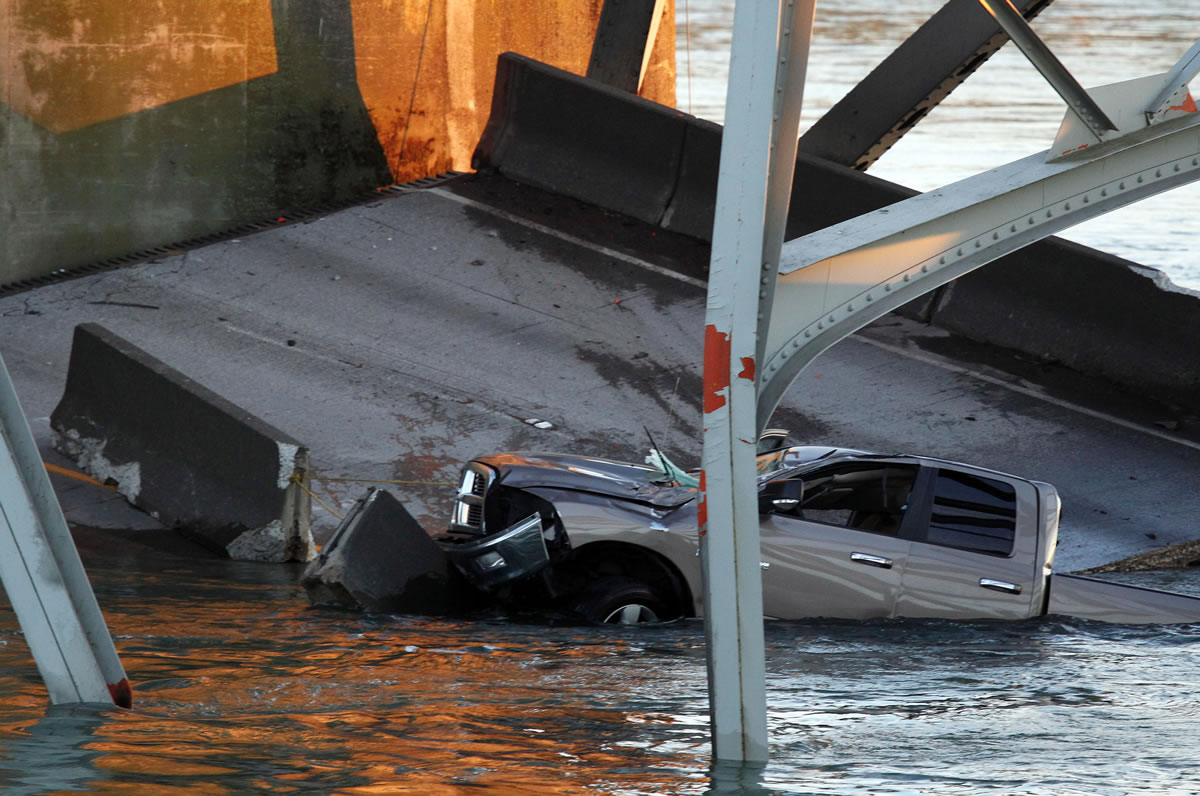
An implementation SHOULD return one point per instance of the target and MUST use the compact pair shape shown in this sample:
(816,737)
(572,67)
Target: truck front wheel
(619,600)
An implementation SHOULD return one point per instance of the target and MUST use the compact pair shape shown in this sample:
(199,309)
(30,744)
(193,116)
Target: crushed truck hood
(621,480)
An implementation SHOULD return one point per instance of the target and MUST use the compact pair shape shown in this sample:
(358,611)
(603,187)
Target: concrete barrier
(182,453)
(1090,311)
(580,138)
(693,198)
(1086,309)
(380,560)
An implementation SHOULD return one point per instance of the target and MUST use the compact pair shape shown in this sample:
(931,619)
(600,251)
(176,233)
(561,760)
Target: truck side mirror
(781,497)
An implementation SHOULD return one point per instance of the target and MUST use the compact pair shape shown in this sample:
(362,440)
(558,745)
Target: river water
(242,687)
(1005,111)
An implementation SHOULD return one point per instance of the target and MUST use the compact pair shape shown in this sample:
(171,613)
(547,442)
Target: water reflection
(241,686)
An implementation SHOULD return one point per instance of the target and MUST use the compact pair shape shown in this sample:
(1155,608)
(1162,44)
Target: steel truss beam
(909,83)
(624,42)
(44,579)
(836,280)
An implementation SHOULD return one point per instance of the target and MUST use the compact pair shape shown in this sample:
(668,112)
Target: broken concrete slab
(182,453)
(381,560)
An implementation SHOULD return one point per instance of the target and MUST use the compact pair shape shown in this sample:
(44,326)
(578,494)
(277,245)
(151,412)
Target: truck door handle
(1000,585)
(870,560)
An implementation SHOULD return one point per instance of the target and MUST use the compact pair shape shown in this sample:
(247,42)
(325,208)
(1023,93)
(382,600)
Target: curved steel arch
(836,280)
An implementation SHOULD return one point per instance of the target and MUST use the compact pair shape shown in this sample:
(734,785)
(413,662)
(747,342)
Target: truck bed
(1105,601)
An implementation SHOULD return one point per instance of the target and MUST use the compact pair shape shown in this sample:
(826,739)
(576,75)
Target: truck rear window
(973,513)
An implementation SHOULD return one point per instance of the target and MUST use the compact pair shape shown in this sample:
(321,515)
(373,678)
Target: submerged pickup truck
(844,533)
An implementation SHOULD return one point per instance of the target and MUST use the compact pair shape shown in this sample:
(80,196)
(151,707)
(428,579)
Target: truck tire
(618,600)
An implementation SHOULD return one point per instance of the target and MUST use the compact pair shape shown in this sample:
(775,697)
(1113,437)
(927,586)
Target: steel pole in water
(43,576)
(766,78)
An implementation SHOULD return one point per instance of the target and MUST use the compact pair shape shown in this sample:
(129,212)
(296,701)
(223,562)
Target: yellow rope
(300,481)
(87,479)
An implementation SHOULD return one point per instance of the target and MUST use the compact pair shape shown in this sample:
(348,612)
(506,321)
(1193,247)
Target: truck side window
(973,513)
(866,497)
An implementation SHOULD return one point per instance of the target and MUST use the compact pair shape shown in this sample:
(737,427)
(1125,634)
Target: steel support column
(43,577)
(766,79)
(625,38)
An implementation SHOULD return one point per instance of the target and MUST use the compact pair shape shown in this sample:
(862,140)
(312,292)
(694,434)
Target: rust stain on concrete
(67,66)
(426,70)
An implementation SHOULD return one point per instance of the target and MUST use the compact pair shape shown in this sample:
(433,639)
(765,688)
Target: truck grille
(467,516)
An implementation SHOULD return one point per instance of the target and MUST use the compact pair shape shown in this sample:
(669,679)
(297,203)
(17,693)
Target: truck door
(833,548)
(974,556)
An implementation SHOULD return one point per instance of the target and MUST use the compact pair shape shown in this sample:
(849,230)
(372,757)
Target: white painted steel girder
(758,152)
(838,279)
(1174,83)
(43,576)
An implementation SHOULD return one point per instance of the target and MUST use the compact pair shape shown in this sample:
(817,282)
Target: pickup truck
(844,533)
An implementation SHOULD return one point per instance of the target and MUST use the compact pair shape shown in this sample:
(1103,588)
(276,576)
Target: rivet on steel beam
(807,333)
(795,344)
(1012,228)
(907,277)
(1049,213)
(959,252)
(1031,219)
(1140,179)
(1104,192)
(1086,200)
(995,236)
(1177,167)
(820,325)
(1121,186)
(887,288)
(832,319)
(1157,173)
(1066,205)
(978,243)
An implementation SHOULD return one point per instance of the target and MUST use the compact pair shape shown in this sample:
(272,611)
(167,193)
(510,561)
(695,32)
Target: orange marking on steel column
(1188,106)
(702,509)
(122,693)
(747,369)
(716,367)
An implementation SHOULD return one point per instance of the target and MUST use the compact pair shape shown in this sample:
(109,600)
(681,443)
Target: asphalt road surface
(399,338)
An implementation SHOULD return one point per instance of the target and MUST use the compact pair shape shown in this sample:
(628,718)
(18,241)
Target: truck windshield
(787,458)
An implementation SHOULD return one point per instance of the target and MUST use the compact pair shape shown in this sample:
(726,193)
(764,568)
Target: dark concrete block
(381,560)
(1090,311)
(181,452)
(580,138)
